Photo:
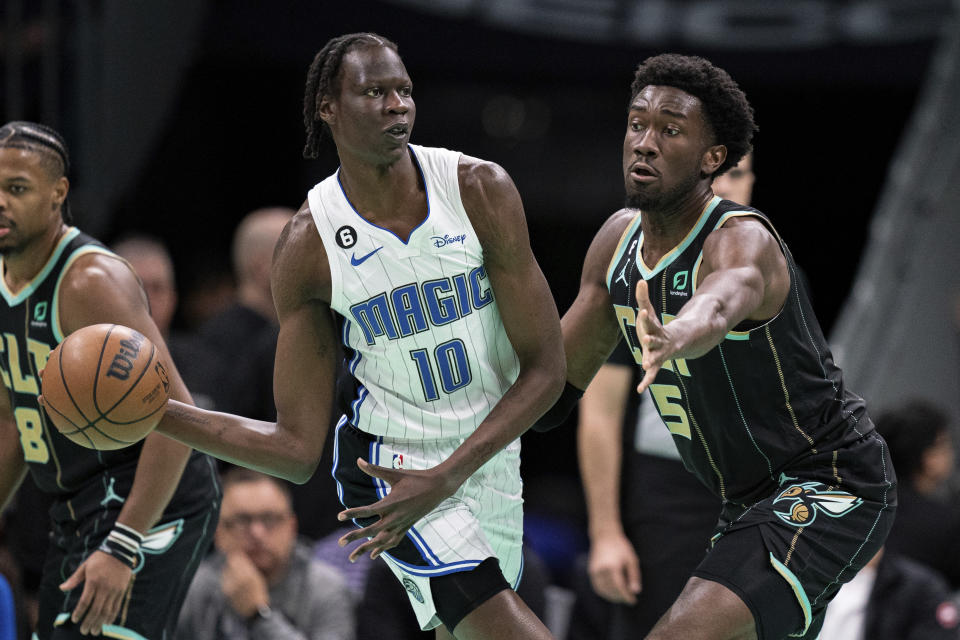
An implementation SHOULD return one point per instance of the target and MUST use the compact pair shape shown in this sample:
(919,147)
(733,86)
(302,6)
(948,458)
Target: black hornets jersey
(765,397)
(30,326)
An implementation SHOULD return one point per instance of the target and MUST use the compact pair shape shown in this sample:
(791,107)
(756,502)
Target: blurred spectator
(892,598)
(200,367)
(262,582)
(927,526)
(245,333)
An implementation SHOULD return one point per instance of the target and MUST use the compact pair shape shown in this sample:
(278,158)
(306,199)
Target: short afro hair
(725,106)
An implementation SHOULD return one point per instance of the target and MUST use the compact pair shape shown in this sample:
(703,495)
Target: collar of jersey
(14,299)
(671,255)
(426,189)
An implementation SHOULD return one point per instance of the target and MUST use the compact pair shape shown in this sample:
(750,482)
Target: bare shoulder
(743,236)
(607,239)
(100,287)
(300,271)
(97,273)
(493,205)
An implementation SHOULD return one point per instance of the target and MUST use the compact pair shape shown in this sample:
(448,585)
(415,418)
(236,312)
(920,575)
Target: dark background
(832,100)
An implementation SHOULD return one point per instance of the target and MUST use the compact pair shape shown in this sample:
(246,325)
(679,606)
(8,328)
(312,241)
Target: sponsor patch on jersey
(444,240)
(412,589)
(680,284)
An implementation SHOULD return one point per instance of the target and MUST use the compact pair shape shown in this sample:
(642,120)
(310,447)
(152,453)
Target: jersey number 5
(452,363)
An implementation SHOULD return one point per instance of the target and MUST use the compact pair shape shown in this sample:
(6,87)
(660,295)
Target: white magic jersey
(424,341)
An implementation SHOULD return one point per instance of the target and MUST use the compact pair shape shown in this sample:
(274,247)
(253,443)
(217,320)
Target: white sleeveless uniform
(428,358)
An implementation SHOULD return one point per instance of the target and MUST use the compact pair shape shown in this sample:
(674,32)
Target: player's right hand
(614,569)
(105,581)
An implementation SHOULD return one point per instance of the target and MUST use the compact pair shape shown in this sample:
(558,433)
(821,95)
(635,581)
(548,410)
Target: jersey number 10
(452,364)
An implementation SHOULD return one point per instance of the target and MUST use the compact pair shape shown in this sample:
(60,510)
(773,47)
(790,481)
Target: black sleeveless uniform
(89,487)
(765,421)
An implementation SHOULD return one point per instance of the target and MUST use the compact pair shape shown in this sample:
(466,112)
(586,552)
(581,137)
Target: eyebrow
(673,113)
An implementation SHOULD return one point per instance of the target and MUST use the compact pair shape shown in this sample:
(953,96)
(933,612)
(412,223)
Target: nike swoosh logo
(355,261)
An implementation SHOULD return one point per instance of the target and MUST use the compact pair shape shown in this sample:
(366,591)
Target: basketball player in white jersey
(417,261)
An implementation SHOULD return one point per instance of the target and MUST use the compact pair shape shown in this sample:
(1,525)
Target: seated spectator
(928,516)
(262,582)
(892,598)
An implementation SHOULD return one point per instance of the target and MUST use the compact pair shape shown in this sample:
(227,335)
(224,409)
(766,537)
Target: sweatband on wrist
(123,543)
(557,414)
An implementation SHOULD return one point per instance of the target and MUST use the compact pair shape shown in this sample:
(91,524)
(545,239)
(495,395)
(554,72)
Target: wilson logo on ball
(123,361)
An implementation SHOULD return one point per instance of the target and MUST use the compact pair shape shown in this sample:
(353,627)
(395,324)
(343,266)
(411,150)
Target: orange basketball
(105,387)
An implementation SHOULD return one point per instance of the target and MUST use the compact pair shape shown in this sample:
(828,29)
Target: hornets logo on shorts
(806,499)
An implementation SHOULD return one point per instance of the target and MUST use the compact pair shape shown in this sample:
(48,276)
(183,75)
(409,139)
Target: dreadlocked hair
(323,79)
(725,106)
(43,140)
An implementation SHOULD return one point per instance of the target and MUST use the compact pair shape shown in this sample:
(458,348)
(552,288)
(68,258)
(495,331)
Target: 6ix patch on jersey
(346,236)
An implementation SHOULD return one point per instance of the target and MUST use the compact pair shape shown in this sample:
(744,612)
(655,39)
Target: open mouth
(398,130)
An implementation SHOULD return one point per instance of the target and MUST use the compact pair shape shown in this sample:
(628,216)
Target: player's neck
(391,196)
(665,228)
(21,267)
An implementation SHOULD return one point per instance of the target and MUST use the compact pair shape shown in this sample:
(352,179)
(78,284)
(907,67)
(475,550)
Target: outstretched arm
(743,276)
(303,371)
(531,321)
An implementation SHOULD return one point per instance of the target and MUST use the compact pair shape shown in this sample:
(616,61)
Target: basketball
(105,387)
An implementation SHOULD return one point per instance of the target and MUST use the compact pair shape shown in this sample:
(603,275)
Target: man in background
(262,582)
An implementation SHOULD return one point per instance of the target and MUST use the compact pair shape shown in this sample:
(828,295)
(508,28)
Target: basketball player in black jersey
(709,300)
(129,527)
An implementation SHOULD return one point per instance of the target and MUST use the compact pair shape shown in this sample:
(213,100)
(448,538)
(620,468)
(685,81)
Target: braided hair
(323,79)
(725,107)
(45,141)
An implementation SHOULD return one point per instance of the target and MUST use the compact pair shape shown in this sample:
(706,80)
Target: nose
(644,143)
(397,103)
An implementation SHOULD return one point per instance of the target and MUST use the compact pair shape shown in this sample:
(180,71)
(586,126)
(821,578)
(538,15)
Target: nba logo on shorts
(397,461)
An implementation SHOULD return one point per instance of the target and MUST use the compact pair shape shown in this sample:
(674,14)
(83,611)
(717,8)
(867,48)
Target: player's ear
(712,158)
(326,110)
(60,189)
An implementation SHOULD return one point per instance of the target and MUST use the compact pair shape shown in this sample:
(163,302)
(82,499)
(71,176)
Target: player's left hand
(413,494)
(654,340)
(105,581)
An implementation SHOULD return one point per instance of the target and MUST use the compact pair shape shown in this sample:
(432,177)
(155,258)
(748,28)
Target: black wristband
(123,543)
(556,414)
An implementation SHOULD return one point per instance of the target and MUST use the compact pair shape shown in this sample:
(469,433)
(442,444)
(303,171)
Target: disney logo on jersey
(806,499)
(444,240)
(415,307)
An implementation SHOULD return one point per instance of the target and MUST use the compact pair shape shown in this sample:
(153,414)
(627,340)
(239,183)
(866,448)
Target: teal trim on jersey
(621,247)
(108,630)
(13,299)
(671,255)
(55,316)
(798,591)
